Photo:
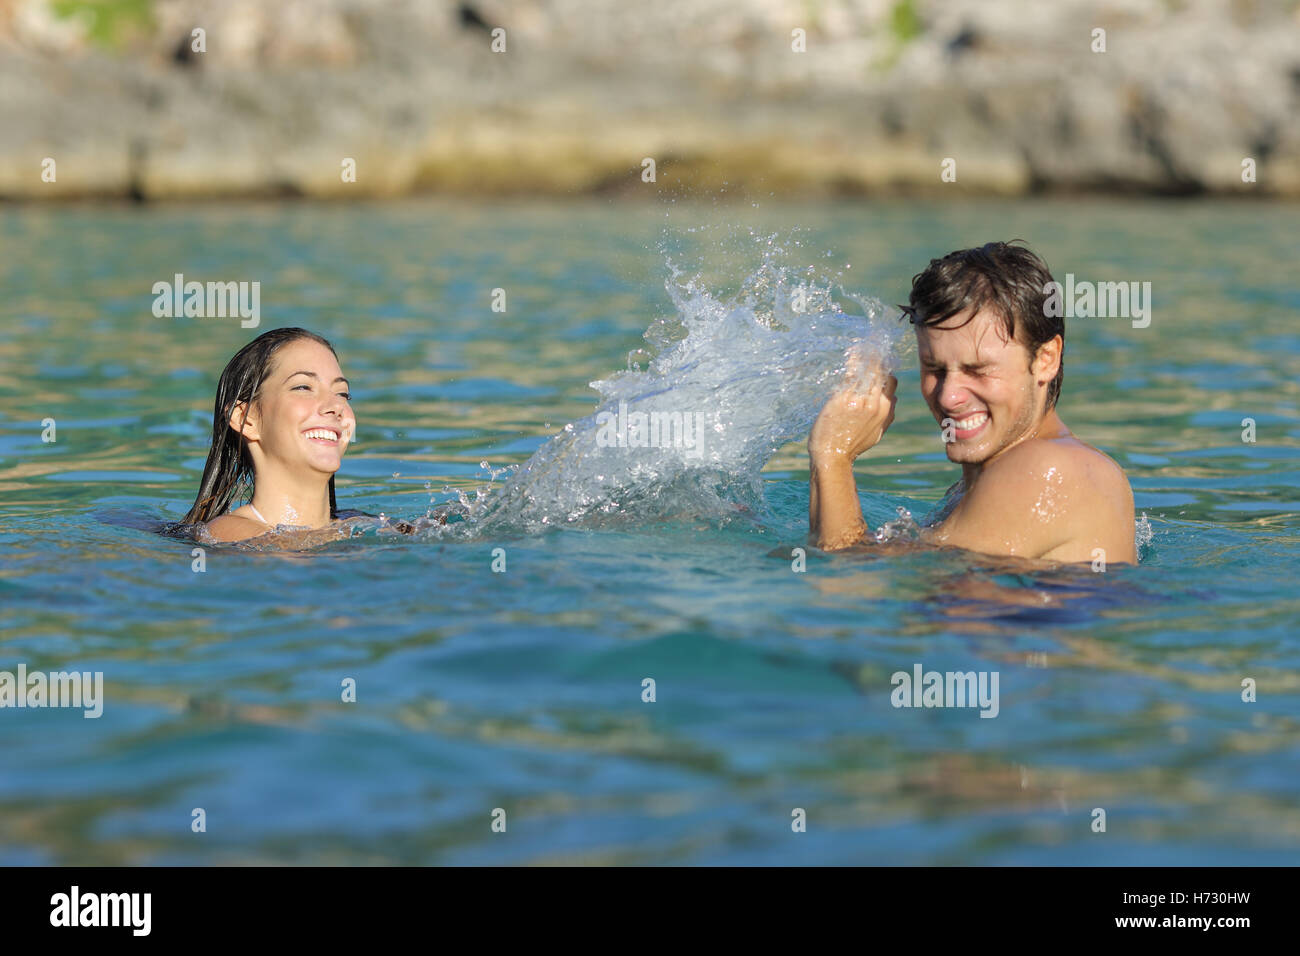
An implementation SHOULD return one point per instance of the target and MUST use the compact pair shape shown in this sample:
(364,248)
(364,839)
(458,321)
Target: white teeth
(324,433)
(975,421)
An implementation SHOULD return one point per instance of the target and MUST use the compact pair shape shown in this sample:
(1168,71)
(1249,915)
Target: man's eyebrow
(317,377)
(934,363)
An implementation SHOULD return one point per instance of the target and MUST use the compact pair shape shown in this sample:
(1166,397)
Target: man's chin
(959,453)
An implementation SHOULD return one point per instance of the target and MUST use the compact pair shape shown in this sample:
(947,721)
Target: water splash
(728,380)
(902,528)
(1143,534)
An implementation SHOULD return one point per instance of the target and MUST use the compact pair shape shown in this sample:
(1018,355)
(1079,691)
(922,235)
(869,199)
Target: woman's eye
(296,387)
(347,396)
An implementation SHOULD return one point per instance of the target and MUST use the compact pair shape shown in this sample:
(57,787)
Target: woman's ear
(243,421)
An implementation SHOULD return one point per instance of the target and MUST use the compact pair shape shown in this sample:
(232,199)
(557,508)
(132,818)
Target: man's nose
(955,394)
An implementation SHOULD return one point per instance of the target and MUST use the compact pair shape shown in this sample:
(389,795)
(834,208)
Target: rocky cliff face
(791,98)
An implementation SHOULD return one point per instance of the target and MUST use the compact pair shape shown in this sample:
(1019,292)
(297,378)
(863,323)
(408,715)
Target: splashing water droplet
(902,528)
(1143,535)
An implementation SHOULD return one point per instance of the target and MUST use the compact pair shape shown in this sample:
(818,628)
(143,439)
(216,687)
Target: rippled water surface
(522,690)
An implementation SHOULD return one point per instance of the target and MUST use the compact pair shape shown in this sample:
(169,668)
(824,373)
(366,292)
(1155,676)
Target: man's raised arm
(850,423)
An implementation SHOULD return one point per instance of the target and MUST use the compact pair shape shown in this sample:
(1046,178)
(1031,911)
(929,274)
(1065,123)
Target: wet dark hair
(1008,278)
(228,472)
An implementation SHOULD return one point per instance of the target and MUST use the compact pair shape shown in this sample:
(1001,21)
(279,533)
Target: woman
(281,424)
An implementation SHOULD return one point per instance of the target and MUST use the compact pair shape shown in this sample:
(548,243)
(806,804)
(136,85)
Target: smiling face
(301,419)
(983,384)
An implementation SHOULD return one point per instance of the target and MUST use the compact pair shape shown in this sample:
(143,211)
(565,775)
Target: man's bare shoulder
(1076,490)
(234,527)
(1066,461)
(1056,498)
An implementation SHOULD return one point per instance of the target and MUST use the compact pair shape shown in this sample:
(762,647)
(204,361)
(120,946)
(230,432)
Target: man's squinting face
(979,384)
(303,414)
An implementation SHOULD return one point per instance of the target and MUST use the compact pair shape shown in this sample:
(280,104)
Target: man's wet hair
(1005,277)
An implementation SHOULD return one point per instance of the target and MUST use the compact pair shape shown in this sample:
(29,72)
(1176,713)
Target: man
(991,369)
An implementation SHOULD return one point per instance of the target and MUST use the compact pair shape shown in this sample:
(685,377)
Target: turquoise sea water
(522,690)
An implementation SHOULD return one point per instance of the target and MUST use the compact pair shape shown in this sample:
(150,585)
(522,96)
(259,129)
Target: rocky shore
(372,98)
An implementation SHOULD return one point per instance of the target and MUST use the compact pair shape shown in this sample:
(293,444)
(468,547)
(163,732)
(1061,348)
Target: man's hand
(852,420)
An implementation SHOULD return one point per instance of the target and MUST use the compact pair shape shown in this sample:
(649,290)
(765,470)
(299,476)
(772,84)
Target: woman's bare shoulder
(233,527)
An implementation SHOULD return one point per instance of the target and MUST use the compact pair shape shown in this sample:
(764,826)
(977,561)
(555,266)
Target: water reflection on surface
(523,690)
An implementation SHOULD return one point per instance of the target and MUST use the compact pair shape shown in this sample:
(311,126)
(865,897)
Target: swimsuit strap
(258,513)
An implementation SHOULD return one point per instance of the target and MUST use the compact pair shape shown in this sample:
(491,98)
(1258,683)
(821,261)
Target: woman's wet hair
(228,473)
(1007,278)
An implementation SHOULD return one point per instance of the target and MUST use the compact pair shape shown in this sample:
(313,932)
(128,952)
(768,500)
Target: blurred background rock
(710,89)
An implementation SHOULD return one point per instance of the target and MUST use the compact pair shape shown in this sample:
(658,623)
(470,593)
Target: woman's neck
(280,502)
